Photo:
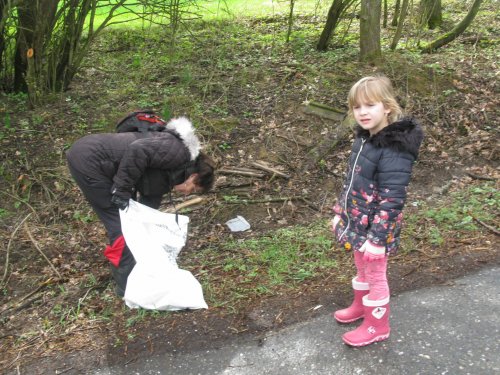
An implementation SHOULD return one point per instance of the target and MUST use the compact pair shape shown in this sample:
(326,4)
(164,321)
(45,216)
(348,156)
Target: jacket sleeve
(165,152)
(394,173)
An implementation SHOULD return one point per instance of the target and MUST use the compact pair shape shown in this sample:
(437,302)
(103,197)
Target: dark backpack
(141,121)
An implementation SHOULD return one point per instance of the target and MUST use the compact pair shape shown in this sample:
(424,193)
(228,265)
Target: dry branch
(272,200)
(40,250)
(489,227)
(263,165)
(478,177)
(241,172)
(185,204)
(256,201)
(8,247)
(19,305)
(295,138)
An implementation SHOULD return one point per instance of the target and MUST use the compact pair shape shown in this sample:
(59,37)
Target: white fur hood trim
(185,129)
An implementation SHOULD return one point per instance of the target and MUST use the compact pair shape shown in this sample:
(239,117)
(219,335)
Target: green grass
(453,217)
(210,10)
(259,8)
(276,261)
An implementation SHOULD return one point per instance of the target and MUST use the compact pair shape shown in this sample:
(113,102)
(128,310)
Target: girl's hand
(372,252)
(335,221)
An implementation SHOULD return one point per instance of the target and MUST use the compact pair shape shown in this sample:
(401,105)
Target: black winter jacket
(151,163)
(370,205)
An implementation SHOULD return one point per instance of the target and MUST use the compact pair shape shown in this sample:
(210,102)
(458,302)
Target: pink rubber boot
(356,310)
(375,326)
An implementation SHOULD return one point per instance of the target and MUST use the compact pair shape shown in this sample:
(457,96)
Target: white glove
(335,221)
(372,252)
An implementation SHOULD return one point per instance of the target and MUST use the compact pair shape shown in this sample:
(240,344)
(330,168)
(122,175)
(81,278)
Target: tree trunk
(431,13)
(457,30)
(290,21)
(74,21)
(26,16)
(35,23)
(395,16)
(399,30)
(385,15)
(369,41)
(2,36)
(334,13)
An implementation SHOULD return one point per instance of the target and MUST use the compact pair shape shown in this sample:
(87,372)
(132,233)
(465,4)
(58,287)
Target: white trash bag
(156,282)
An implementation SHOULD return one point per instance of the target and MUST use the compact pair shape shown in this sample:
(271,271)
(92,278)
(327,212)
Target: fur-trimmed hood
(403,135)
(185,129)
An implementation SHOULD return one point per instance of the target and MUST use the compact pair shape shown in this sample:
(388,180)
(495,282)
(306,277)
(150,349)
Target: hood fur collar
(185,129)
(403,135)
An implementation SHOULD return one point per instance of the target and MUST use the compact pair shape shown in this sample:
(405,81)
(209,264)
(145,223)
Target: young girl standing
(368,214)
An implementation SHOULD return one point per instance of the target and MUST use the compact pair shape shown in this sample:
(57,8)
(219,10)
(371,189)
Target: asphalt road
(450,329)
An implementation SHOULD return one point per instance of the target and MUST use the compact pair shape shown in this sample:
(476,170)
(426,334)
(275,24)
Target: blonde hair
(374,89)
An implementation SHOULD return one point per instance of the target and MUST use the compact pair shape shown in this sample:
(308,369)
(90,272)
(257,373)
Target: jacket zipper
(350,187)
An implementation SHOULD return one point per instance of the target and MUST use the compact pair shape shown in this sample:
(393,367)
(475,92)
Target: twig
(309,204)
(185,204)
(243,173)
(427,255)
(19,200)
(18,306)
(59,372)
(8,246)
(273,200)
(256,201)
(494,230)
(40,250)
(15,360)
(265,167)
(478,177)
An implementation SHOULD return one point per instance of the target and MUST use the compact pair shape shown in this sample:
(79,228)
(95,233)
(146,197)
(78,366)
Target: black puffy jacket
(380,166)
(151,163)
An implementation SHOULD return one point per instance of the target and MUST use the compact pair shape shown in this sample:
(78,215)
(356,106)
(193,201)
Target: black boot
(120,273)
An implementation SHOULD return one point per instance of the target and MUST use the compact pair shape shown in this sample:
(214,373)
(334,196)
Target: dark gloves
(119,202)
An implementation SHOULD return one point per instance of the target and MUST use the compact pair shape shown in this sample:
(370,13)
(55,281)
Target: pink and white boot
(375,326)
(356,310)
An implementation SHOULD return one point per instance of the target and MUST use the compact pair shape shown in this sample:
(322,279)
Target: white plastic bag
(156,282)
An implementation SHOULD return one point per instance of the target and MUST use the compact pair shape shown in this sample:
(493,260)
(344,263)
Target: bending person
(111,168)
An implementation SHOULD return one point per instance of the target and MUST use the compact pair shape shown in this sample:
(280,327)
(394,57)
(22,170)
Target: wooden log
(240,172)
(325,111)
(185,204)
(265,167)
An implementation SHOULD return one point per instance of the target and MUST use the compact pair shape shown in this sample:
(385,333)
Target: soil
(280,131)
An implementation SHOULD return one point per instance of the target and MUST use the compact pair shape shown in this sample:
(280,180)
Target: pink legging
(373,273)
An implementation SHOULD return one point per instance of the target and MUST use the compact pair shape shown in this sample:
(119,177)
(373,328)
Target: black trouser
(98,194)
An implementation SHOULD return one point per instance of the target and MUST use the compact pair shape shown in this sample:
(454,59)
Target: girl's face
(371,116)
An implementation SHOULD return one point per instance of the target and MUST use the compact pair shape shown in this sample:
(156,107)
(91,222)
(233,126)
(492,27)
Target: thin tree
(3,19)
(369,41)
(386,16)
(290,21)
(457,30)
(399,30)
(395,16)
(335,13)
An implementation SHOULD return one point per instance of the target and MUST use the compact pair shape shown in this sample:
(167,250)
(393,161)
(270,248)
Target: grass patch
(453,217)
(274,262)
